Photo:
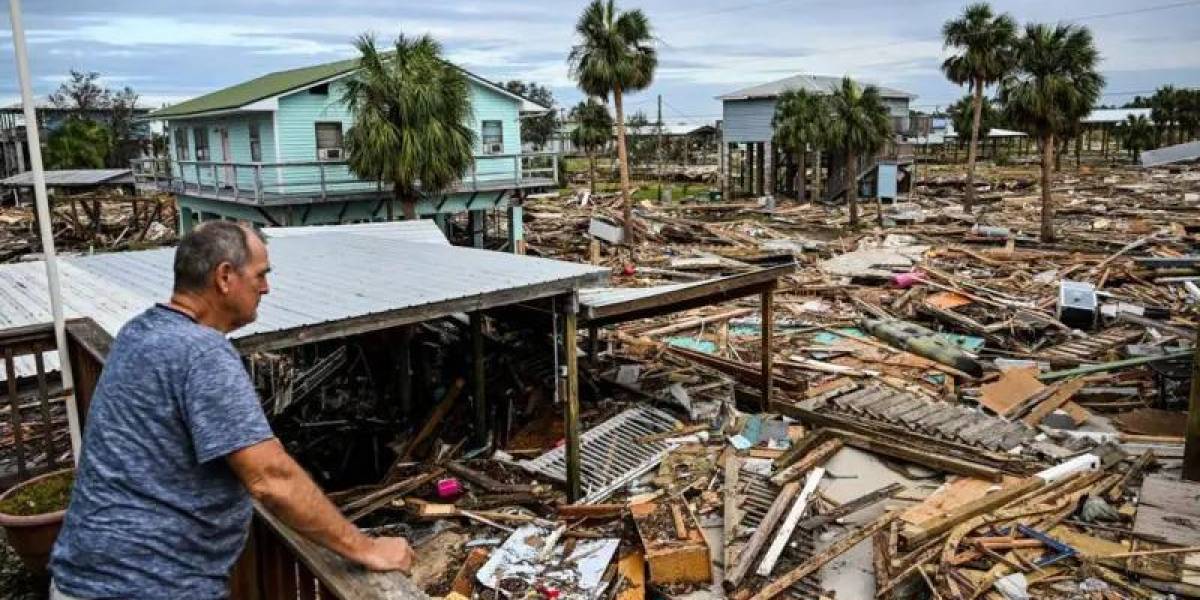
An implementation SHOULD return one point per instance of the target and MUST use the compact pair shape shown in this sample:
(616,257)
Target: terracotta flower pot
(32,536)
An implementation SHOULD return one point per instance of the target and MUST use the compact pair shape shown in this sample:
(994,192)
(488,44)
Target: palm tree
(984,42)
(593,129)
(614,56)
(1136,134)
(962,116)
(1055,84)
(411,119)
(860,125)
(799,123)
(1164,109)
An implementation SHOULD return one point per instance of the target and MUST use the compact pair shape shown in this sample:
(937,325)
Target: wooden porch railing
(261,182)
(277,562)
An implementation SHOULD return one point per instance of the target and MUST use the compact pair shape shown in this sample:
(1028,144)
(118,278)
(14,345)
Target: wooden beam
(570,349)
(816,561)
(734,575)
(478,378)
(767,305)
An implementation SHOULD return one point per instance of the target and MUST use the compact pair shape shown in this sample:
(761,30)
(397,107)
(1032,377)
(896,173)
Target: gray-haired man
(176,445)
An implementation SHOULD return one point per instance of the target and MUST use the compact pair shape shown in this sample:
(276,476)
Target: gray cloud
(173,50)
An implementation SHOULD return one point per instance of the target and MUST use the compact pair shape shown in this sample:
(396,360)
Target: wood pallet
(1092,348)
(942,420)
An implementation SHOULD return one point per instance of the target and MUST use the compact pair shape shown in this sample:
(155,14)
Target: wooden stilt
(478,384)
(570,349)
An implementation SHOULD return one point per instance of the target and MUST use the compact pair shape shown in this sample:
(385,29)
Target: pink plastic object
(906,280)
(449,488)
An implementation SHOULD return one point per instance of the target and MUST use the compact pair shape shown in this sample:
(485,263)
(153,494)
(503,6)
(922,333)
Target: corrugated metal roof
(1171,154)
(819,84)
(423,231)
(73,177)
(607,296)
(1115,115)
(315,279)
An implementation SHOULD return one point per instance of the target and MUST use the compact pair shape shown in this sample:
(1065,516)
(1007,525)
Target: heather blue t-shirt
(156,511)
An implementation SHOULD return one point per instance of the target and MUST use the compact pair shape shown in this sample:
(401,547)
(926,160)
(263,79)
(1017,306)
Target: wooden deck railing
(263,182)
(277,562)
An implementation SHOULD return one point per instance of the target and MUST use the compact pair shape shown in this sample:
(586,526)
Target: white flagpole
(43,216)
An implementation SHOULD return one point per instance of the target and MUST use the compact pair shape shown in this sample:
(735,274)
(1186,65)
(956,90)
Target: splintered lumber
(916,534)
(817,456)
(487,483)
(734,575)
(435,418)
(915,455)
(822,558)
(590,511)
(684,560)
(1118,490)
(361,507)
(789,524)
(464,582)
(1052,403)
(1010,391)
(696,322)
(732,515)
(851,507)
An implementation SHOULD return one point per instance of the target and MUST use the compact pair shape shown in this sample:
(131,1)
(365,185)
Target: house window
(181,143)
(255,143)
(201,135)
(493,137)
(319,90)
(329,141)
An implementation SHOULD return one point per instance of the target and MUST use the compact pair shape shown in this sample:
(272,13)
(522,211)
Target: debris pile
(90,222)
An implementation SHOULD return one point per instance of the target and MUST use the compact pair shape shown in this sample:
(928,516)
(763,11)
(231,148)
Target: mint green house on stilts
(269,152)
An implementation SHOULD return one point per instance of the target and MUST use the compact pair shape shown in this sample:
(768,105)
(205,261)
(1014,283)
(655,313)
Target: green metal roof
(282,82)
(267,86)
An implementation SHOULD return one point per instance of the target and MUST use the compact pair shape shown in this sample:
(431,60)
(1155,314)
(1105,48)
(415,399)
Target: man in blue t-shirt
(177,444)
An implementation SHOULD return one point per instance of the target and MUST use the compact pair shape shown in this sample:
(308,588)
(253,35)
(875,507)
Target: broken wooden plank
(789,524)
(822,558)
(817,456)
(734,575)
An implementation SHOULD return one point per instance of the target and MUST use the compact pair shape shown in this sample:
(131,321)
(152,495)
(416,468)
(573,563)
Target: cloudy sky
(173,50)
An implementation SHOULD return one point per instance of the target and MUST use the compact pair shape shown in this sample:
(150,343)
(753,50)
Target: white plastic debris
(1013,587)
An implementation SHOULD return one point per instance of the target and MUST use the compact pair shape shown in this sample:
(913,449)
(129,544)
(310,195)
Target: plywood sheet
(1014,387)
(1169,509)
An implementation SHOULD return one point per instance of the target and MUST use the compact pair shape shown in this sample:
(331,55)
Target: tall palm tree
(962,116)
(411,112)
(593,129)
(799,124)
(1136,133)
(984,42)
(1055,84)
(1164,109)
(614,56)
(860,125)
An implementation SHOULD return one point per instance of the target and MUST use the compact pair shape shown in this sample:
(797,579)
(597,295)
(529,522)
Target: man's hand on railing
(387,554)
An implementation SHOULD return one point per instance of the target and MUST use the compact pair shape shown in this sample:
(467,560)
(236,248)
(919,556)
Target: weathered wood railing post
(235,181)
(321,174)
(570,350)
(215,180)
(197,165)
(257,183)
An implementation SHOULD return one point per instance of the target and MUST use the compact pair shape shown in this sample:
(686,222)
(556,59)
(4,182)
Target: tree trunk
(408,205)
(1058,157)
(817,177)
(623,159)
(591,170)
(1047,201)
(972,151)
(852,187)
(801,176)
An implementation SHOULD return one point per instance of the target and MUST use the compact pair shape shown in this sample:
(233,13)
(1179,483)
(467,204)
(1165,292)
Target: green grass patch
(46,496)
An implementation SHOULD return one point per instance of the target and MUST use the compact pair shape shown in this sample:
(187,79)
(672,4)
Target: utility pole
(660,156)
(33,137)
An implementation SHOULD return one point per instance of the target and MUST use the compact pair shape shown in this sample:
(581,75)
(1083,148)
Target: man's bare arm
(274,479)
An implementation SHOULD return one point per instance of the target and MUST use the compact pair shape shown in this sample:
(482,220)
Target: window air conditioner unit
(495,148)
(329,153)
